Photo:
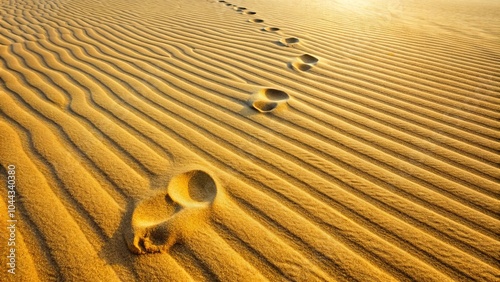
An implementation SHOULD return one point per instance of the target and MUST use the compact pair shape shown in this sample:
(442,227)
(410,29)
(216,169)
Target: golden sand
(250,140)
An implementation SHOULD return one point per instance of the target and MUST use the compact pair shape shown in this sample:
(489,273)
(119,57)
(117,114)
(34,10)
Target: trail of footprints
(168,216)
(267,100)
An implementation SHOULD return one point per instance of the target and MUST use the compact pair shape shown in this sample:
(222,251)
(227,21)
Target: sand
(250,140)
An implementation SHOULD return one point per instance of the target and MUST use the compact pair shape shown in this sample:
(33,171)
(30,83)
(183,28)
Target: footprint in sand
(270,29)
(304,62)
(268,99)
(249,13)
(167,217)
(256,20)
(289,41)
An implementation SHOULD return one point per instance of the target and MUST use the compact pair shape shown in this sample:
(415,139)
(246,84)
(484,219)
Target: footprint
(249,13)
(167,217)
(290,41)
(270,29)
(264,106)
(256,20)
(304,62)
(268,99)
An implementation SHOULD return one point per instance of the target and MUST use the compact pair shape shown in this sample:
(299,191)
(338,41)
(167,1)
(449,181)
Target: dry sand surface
(250,140)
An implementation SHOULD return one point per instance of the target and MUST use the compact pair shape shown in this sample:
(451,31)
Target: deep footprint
(268,99)
(167,217)
(249,13)
(304,62)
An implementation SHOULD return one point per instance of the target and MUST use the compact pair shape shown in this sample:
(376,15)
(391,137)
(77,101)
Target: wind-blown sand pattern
(251,140)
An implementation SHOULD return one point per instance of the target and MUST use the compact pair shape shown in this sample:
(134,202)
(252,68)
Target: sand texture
(250,140)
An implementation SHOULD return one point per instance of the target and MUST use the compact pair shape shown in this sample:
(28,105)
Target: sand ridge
(252,140)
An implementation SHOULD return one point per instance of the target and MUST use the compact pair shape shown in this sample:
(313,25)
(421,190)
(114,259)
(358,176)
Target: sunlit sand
(250,140)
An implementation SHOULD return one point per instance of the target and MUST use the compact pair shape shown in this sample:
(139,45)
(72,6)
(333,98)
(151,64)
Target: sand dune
(251,140)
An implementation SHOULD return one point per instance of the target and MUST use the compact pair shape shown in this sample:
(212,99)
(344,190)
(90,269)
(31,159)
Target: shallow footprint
(268,99)
(270,29)
(304,62)
(289,41)
(256,20)
(167,217)
(249,13)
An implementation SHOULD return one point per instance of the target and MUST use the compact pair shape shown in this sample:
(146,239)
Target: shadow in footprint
(249,13)
(268,99)
(304,62)
(164,219)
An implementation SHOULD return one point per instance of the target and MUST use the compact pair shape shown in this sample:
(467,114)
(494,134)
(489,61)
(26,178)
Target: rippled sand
(251,140)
